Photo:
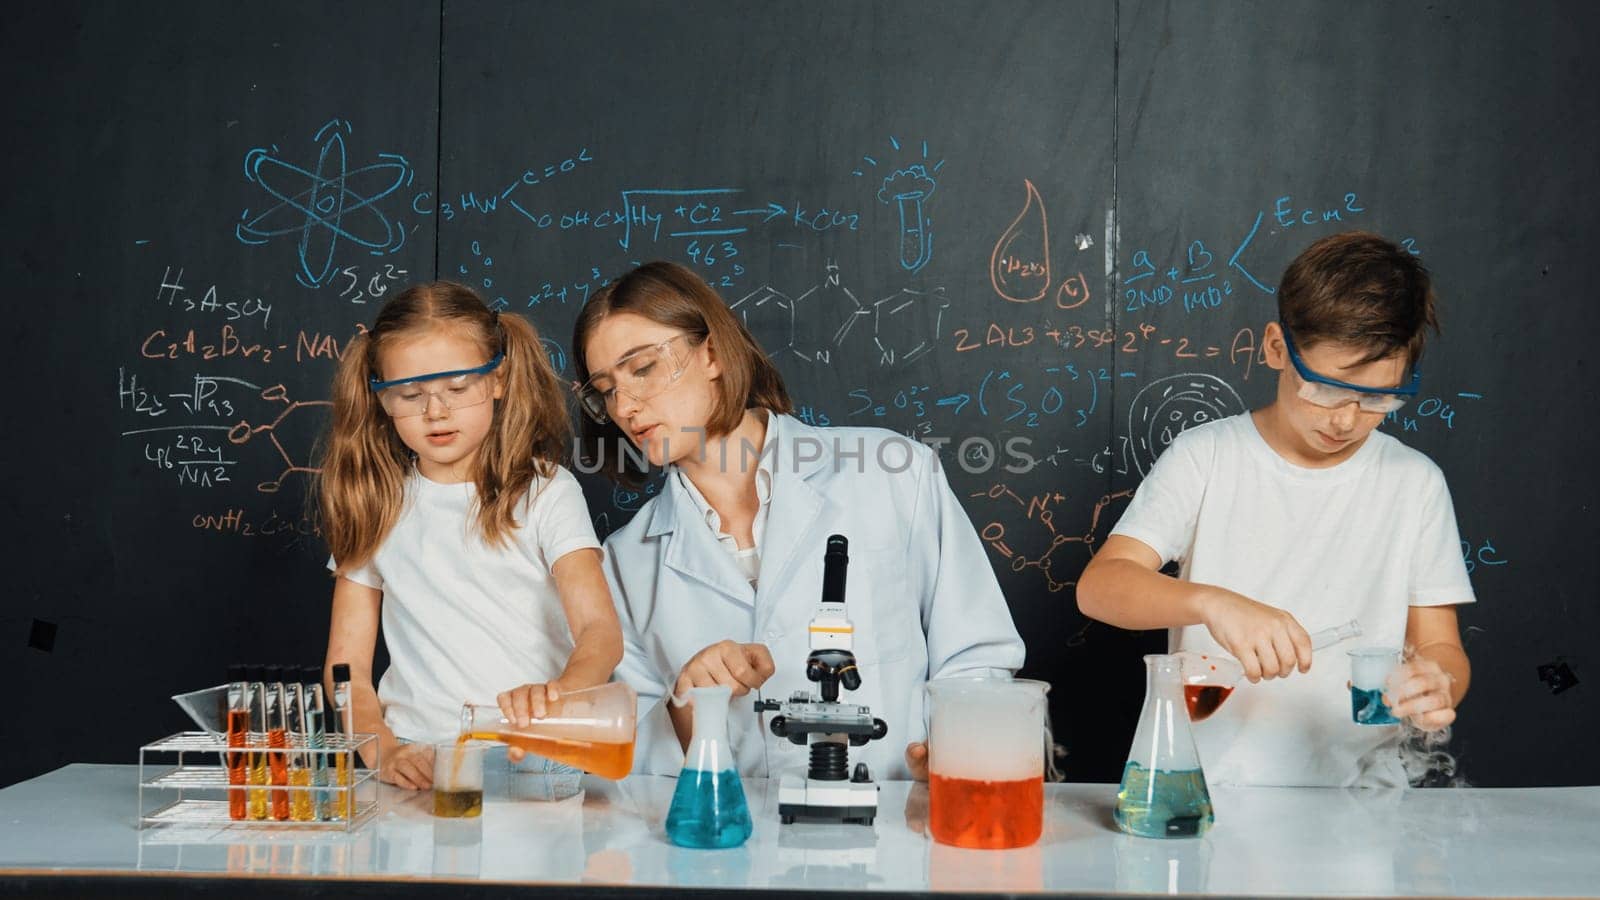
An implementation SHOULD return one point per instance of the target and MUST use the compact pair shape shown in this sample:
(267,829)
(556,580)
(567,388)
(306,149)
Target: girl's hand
(1419,691)
(1267,642)
(742,667)
(524,704)
(530,701)
(409,766)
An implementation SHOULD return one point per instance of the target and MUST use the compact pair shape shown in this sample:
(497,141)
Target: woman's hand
(742,667)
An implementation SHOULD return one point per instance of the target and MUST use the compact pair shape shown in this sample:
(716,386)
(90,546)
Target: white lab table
(79,823)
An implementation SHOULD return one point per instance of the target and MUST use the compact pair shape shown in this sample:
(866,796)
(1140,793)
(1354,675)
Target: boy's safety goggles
(643,374)
(456,389)
(1331,393)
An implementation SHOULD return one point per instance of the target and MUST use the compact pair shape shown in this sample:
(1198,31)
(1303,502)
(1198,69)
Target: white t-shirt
(463,620)
(1364,539)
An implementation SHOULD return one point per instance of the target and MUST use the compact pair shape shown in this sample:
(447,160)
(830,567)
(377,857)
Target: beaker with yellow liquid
(592,729)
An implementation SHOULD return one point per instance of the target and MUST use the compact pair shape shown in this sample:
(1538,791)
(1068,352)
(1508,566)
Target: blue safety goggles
(459,388)
(1332,393)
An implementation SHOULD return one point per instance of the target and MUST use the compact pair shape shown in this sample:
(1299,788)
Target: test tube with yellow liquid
(342,805)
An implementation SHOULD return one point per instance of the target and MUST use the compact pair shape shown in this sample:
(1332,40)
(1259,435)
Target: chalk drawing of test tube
(909,189)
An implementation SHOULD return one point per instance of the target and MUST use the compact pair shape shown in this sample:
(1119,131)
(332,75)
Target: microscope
(830,791)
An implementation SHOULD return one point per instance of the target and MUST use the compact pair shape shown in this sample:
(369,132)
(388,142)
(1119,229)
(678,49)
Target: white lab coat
(919,591)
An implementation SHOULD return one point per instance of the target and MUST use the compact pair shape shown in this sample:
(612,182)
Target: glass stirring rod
(1327,637)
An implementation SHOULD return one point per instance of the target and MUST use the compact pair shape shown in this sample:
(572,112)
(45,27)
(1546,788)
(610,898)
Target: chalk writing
(1484,554)
(178,297)
(235,521)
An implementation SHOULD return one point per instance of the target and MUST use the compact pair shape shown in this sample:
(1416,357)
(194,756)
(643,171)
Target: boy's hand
(1267,642)
(1419,690)
(917,761)
(409,766)
(521,705)
(742,667)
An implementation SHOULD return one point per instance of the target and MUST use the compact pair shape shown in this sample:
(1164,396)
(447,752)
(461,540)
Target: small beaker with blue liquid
(1163,792)
(1370,668)
(708,806)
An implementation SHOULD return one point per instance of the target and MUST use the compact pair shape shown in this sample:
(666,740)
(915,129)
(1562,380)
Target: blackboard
(976,223)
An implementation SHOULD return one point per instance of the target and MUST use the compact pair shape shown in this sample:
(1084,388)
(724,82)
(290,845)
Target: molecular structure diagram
(244,431)
(1080,547)
(829,317)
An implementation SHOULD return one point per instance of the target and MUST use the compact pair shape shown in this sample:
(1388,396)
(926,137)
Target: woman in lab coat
(716,579)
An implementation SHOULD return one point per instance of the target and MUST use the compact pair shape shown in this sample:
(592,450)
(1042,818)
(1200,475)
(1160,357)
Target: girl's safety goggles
(1331,393)
(456,389)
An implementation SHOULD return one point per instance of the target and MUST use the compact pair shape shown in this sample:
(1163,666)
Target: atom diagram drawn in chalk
(325,204)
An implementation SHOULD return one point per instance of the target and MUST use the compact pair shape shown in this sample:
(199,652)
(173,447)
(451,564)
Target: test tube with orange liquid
(238,740)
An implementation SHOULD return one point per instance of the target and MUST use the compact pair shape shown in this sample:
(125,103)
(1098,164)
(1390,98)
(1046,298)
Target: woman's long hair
(361,488)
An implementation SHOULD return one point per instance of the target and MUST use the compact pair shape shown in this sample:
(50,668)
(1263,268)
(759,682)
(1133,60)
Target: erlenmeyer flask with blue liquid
(708,807)
(1163,792)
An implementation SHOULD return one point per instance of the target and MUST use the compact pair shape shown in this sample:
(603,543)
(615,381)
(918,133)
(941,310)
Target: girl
(450,521)
(717,578)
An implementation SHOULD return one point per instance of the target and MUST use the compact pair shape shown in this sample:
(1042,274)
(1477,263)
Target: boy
(1298,516)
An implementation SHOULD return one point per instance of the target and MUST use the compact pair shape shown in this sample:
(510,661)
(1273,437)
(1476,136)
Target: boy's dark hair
(1358,288)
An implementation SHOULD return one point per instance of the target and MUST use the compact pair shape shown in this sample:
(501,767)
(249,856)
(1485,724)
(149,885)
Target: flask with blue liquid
(1163,792)
(708,807)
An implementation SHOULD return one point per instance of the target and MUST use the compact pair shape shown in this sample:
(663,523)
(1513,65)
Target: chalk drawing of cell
(1166,407)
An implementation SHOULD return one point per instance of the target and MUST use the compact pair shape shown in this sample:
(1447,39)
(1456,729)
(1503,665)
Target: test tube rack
(183,780)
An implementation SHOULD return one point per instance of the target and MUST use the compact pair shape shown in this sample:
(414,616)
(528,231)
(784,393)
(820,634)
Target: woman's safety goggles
(643,374)
(1331,393)
(457,389)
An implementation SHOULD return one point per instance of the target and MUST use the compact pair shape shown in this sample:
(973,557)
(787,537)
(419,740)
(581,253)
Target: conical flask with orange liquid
(592,729)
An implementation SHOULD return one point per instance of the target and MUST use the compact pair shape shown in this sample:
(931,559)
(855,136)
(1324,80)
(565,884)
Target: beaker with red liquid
(986,761)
